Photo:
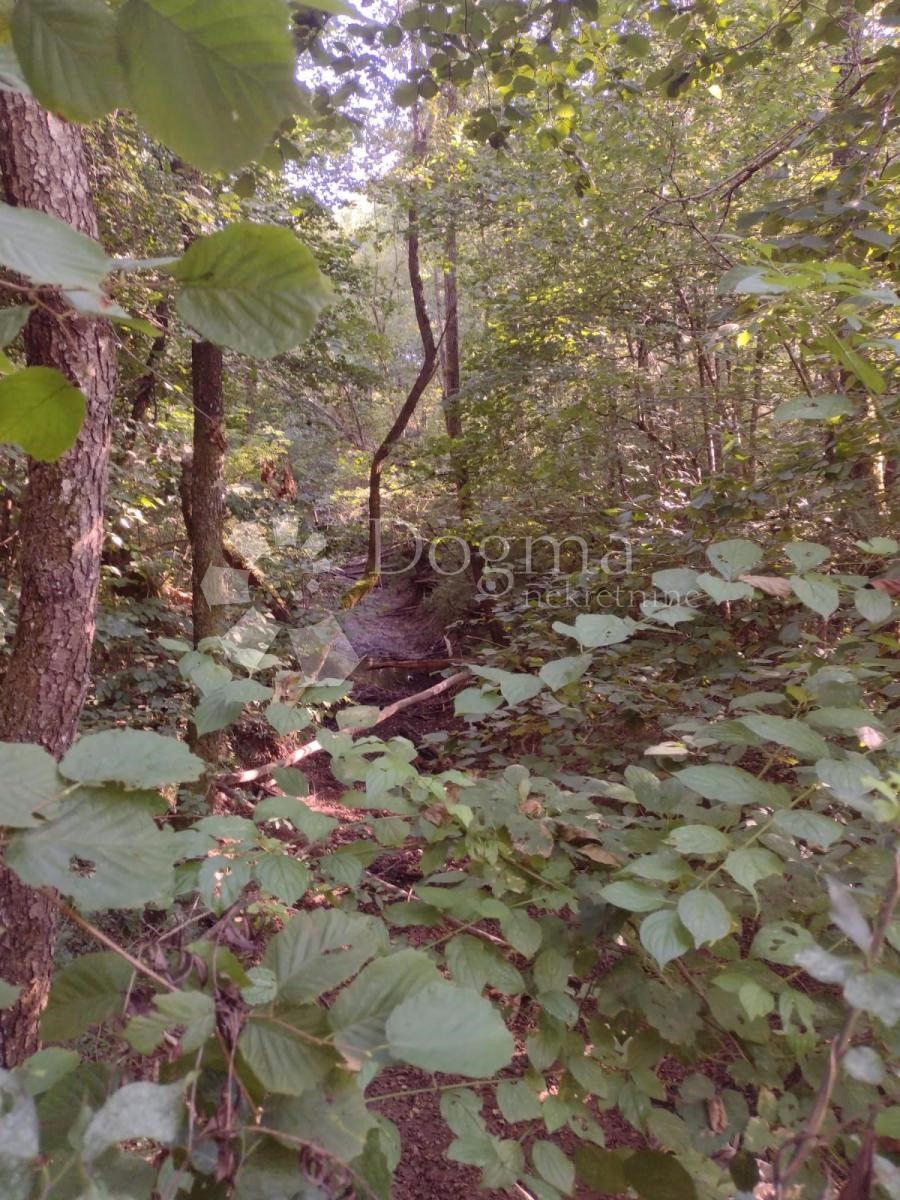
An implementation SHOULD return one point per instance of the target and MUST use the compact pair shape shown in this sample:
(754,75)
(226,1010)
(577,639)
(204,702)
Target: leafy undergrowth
(660,961)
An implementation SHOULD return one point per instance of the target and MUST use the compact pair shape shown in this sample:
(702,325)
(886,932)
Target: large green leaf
(316,951)
(732,785)
(31,783)
(445,1028)
(817,593)
(12,322)
(137,1110)
(138,758)
(223,705)
(50,251)
(11,77)
(704,916)
(103,849)
(282,876)
(734,557)
(658,1176)
(553,1166)
(213,79)
(253,288)
(663,935)
(750,864)
(41,412)
(194,1011)
(19,1138)
(790,732)
(86,992)
(284,1050)
(873,605)
(68,52)
(360,1013)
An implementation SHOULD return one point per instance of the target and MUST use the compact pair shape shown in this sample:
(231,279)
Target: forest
(449,564)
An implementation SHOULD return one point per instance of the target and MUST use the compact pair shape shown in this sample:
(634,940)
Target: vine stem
(105,940)
(809,1135)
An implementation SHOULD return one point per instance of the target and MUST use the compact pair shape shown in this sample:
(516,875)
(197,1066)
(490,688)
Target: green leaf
(213,79)
(282,876)
(314,826)
(475,702)
(882,546)
(316,951)
(658,1176)
(253,288)
(601,629)
(806,556)
(291,781)
(13,321)
(871,378)
(698,839)
(137,1110)
(31,784)
(751,864)
(553,1166)
(473,964)
(633,897)
(19,1138)
(11,77)
(809,827)
(735,557)
(450,1029)
(223,706)
(137,758)
(336,1123)
(287,718)
(515,688)
(361,716)
(790,732)
(602,1171)
(47,1067)
(733,786)
(194,1010)
(813,408)
(49,251)
(817,593)
(704,915)
(675,581)
(68,52)
(359,1014)
(873,605)
(41,412)
(876,992)
(562,671)
(518,1101)
(721,591)
(283,1050)
(663,936)
(866,1065)
(85,993)
(9,994)
(103,849)
(887,1122)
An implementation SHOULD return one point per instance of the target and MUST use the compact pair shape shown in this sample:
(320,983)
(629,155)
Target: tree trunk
(450,381)
(44,167)
(421,382)
(206,525)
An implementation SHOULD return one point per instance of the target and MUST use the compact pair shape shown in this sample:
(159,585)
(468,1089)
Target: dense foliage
(654,490)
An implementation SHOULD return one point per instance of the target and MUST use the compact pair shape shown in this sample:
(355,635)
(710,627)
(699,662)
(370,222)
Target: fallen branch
(315,747)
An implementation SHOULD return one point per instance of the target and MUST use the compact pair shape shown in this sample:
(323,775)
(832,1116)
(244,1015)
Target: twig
(315,747)
(99,936)
(809,1135)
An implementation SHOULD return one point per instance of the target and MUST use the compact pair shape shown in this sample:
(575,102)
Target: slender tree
(44,167)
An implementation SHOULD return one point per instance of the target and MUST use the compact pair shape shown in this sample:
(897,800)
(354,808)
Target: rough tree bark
(44,166)
(206,524)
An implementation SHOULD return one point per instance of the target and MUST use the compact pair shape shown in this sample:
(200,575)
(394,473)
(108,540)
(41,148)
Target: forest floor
(391,624)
